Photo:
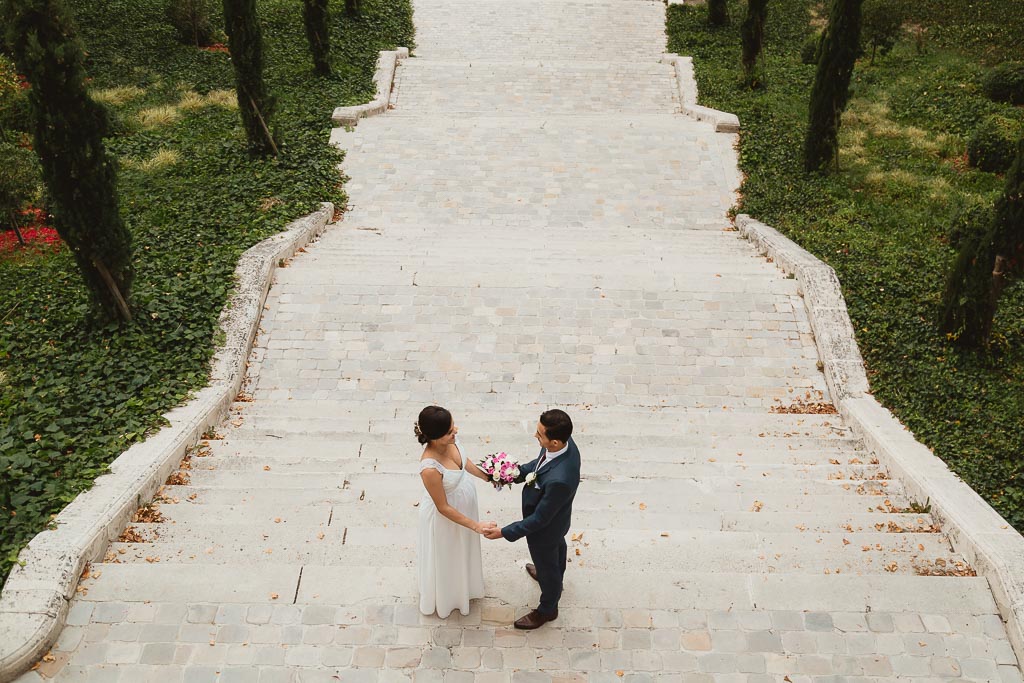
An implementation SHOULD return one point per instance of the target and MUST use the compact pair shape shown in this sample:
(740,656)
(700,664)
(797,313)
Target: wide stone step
(589,417)
(533,87)
(534,29)
(264,514)
(408,483)
(377,444)
(710,278)
(332,585)
(642,551)
(426,244)
(399,437)
(574,171)
(764,425)
(688,498)
(595,469)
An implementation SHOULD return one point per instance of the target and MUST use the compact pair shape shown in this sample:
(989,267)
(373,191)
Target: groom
(550,485)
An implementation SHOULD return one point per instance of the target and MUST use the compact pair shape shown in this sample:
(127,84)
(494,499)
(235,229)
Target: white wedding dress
(450,570)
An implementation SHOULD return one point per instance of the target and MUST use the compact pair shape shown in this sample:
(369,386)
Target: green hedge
(883,221)
(1005,83)
(73,395)
(993,144)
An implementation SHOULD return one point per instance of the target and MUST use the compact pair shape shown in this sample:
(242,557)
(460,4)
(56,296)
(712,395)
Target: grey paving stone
(158,653)
(201,614)
(109,612)
(818,621)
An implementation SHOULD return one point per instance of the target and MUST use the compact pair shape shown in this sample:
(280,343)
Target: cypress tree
(752,33)
(352,8)
(245,42)
(718,12)
(68,129)
(837,55)
(314,15)
(987,262)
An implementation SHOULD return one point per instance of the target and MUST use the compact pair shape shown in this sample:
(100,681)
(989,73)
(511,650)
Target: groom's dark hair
(557,425)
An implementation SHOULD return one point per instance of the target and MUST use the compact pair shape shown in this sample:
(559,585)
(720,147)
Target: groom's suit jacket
(547,505)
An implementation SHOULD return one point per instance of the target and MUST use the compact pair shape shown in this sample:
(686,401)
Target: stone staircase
(534,224)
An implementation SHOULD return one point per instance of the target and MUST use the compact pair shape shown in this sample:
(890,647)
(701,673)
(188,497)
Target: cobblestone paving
(535,224)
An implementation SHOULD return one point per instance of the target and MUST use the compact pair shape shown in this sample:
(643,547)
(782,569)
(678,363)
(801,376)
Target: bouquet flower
(502,469)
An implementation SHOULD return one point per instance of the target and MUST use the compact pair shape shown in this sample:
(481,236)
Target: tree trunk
(837,55)
(16,229)
(314,16)
(752,33)
(245,42)
(68,131)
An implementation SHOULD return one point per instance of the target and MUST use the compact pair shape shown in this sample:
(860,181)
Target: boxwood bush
(992,145)
(1005,83)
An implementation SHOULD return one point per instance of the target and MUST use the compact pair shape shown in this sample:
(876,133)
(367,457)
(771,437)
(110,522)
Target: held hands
(488,530)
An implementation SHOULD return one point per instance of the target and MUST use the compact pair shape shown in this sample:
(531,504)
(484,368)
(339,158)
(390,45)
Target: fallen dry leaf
(757,506)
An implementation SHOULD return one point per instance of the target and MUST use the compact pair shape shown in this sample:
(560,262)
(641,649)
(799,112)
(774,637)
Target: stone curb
(384,77)
(976,530)
(724,122)
(34,602)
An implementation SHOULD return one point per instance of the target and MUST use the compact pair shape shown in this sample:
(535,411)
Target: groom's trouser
(549,559)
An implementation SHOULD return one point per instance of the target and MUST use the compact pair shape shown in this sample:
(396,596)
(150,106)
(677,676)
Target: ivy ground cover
(883,219)
(74,395)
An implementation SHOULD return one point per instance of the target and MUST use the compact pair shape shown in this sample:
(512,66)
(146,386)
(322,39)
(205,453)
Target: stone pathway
(533,225)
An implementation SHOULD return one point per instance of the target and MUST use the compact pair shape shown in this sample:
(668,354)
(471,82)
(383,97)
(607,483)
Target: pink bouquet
(502,469)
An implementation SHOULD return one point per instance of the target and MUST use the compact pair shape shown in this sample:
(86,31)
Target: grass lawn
(74,395)
(883,220)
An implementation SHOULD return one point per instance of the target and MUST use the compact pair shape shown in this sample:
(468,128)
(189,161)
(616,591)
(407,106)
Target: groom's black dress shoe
(532,571)
(535,619)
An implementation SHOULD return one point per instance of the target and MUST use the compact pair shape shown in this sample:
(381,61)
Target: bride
(450,571)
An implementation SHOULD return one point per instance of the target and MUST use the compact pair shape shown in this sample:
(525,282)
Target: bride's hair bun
(433,423)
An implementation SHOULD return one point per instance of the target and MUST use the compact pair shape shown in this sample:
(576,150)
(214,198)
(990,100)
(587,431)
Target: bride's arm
(476,471)
(432,481)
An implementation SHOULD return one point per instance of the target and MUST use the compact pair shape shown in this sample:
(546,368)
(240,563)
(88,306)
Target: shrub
(68,134)
(969,221)
(316,20)
(809,50)
(882,24)
(718,12)
(831,89)
(14,113)
(752,34)
(1005,83)
(988,261)
(19,181)
(993,143)
(256,105)
(191,19)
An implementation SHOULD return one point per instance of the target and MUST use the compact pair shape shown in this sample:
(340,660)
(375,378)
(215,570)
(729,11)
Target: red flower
(34,230)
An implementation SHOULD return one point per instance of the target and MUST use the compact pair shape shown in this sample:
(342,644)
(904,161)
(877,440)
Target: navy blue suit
(547,514)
